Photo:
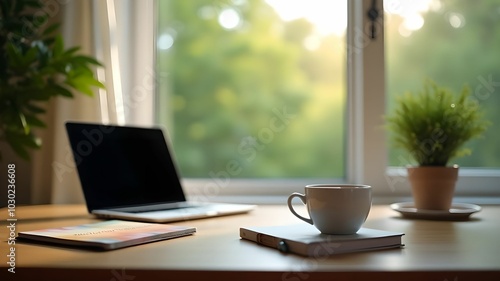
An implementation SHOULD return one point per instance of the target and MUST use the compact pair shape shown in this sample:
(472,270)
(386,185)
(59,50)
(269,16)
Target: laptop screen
(123,166)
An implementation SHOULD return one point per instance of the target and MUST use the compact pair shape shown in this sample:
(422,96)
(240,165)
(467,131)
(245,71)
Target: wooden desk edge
(56,274)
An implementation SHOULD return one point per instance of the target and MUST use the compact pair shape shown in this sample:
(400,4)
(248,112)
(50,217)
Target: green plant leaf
(433,125)
(57,90)
(51,29)
(18,148)
(25,126)
(34,109)
(33,121)
(20,142)
(69,52)
(49,41)
(14,56)
(29,58)
(84,83)
(86,60)
(58,48)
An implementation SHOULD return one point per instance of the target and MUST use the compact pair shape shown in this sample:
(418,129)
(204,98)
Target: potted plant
(432,126)
(35,67)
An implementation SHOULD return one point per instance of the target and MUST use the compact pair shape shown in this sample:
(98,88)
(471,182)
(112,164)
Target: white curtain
(120,34)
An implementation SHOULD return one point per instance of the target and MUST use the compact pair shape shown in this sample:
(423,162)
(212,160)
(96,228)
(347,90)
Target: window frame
(366,143)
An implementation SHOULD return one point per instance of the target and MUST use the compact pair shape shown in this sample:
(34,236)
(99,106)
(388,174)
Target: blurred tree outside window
(255,88)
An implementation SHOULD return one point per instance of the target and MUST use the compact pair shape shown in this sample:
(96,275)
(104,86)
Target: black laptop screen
(123,166)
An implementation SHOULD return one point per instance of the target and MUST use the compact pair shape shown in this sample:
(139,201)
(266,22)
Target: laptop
(129,173)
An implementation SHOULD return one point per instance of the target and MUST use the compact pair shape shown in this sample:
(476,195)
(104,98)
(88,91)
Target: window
(256,100)
(455,44)
(456,35)
(253,85)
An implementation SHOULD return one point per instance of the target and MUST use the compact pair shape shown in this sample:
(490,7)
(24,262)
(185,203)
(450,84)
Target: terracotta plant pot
(433,187)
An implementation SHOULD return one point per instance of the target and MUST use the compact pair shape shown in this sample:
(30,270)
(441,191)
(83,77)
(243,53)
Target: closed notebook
(108,235)
(306,240)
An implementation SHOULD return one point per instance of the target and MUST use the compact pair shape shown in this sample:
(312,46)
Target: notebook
(107,235)
(129,173)
(304,239)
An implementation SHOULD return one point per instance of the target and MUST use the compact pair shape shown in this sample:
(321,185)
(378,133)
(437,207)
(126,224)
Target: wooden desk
(452,251)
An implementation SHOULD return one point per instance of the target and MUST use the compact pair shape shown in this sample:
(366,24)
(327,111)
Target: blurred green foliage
(35,66)
(251,101)
(226,87)
(433,124)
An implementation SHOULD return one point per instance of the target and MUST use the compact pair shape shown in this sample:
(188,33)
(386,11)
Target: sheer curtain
(119,33)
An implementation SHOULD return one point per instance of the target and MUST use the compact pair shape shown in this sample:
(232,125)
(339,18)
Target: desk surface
(434,250)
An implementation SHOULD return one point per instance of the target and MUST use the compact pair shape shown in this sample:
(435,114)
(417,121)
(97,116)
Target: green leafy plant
(35,67)
(434,124)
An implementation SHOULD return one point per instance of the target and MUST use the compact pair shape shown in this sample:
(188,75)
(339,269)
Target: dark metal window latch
(373,14)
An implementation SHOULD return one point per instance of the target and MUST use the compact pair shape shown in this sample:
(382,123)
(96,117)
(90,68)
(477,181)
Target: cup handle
(302,198)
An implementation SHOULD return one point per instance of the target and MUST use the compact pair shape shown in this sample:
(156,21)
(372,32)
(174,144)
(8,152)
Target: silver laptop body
(129,173)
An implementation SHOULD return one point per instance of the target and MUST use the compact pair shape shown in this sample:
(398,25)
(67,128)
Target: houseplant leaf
(433,125)
(35,67)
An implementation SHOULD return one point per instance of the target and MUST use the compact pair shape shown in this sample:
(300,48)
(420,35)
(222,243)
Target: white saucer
(458,211)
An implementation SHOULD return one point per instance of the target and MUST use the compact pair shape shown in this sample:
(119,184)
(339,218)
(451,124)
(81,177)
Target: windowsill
(476,186)
(377,200)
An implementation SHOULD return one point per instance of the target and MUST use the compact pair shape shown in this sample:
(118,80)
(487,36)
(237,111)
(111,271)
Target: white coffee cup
(335,208)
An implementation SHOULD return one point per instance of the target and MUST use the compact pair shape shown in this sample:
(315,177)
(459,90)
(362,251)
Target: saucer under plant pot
(432,126)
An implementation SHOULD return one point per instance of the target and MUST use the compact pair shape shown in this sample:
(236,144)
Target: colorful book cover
(108,235)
